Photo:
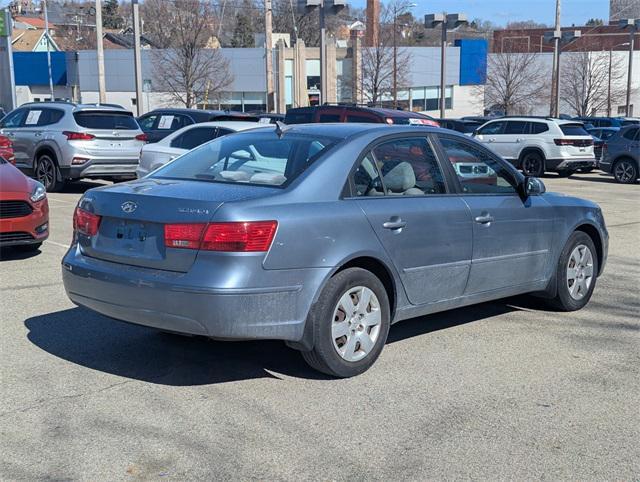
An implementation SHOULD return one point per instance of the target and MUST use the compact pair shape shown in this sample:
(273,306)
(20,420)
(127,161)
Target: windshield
(573,130)
(251,158)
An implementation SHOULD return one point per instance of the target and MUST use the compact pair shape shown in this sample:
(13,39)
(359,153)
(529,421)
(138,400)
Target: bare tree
(515,82)
(186,67)
(377,61)
(586,82)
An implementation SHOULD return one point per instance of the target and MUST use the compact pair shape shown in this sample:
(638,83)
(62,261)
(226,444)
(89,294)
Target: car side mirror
(532,186)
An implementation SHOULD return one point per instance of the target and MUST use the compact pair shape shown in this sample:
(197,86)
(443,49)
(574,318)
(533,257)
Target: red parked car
(24,211)
(6,149)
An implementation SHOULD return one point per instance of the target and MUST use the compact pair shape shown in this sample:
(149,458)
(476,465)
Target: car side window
(193,137)
(361,118)
(517,127)
(409,167)
(366,178)
(223,132)
(14,119)
(477,171)
(329,118)
(631,134)
(49,117)
(146,122)
(539,127)
(492,128)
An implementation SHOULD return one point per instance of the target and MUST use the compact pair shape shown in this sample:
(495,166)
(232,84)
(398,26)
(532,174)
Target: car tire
(28,248)
(565,173)
(46,171)
(345,344)
(587,170)
(576,273)
(532,164)
(625,171)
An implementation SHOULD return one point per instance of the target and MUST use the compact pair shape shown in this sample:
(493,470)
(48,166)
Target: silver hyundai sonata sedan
(324,235)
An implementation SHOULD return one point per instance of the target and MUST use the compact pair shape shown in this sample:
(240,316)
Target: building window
(134,101)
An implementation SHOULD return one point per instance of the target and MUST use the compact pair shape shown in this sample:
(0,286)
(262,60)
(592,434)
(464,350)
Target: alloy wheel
(46,172)
(531,165)
(624,172)
(579,272)
(356,323)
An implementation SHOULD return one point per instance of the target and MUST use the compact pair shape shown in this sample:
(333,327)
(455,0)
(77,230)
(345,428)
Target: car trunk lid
(133,217)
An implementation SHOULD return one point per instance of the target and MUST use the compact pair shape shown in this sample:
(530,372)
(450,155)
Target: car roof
(378,110)
(233,125)
(198,112)
(70,106)
(345,130)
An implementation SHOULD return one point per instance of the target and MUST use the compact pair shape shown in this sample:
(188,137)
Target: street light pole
(555,74)
(443,70)
(323,54)
(137,61)
(395,60)
(102,95)
(46,33)
(633,25)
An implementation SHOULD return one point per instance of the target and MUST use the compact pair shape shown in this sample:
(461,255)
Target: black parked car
(353,113)
(466,126)
(159,123)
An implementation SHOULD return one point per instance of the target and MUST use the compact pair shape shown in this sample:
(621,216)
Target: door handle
(491,139)
(10,134)
(38,134)
(394,223)
(484,219)
(519,139)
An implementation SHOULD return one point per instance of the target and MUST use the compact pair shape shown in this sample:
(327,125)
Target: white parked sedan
(153,156)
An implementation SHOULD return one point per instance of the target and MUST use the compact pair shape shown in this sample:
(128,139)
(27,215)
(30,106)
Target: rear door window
(106,120)
(573,130)
(516,127)
(146,122)
(299,117)
(49,117)
(194,137)
(631,134)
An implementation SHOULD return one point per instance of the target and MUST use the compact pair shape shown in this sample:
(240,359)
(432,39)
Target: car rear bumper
(172,301)
(30,229)
(570,164)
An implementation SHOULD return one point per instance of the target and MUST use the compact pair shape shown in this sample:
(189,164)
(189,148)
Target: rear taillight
(78,136)
(142,137)
(5,142)
(85,222)
(574,142)
(254,236)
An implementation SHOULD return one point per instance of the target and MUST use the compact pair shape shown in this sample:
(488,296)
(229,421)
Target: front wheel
(625,171)
(350,324)
(576,273)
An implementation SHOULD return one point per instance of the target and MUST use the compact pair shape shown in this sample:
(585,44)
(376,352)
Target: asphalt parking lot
(504,390)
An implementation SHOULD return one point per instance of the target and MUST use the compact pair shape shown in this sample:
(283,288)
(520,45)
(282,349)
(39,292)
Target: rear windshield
(106,120)
(251,158)
(573,130)
(298,118)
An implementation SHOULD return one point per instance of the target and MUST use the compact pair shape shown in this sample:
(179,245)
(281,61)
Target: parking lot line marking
(623,224)
(65,246)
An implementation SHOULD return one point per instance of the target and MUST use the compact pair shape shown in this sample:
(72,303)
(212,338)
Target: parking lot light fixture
(445,21)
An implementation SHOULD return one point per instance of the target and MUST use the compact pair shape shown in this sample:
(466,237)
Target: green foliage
(594,22)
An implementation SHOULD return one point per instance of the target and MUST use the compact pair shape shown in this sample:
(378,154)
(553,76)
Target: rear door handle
(491,139)
(484,219)
(394,223)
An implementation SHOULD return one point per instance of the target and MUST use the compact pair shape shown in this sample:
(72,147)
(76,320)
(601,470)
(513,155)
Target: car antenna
(280,128)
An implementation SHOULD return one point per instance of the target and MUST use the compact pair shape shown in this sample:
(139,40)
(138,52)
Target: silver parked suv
(57,142)
(539,144)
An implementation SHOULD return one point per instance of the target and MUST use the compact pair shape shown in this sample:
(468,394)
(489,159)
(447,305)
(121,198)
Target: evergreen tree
(243,33)
(111,15)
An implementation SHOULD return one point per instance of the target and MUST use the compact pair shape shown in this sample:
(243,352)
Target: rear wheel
(576,273)
(350,324)
(625,171)
(47,173)
(532,164)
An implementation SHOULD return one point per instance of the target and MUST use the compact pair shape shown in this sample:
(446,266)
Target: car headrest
(400,178)
(266,178)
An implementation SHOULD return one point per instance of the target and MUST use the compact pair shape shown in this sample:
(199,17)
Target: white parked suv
(539,144)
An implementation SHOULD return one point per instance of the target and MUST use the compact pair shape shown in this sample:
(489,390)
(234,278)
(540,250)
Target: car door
(11,127)
(425,230)
(512,238)
(510,143)
(490,133)
(631,135)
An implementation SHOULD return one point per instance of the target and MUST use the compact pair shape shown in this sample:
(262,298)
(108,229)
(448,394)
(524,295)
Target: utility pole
(555,76)
(46,33)
(443,70)
(395,59)
(102,95)
(268,47)
(135,11)
(609,85)
(630,73)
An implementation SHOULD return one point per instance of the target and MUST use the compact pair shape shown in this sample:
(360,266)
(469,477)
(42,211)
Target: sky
(501,12)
